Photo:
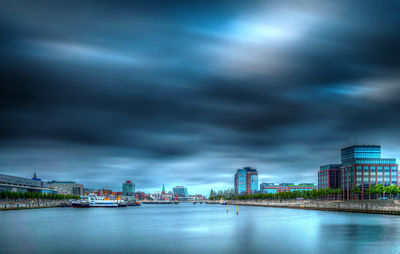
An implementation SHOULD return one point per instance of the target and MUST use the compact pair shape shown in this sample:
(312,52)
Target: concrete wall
(362,206)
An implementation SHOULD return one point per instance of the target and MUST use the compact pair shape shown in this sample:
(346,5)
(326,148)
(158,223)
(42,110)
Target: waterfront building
(287,187)
(328,176)
(140,195)
(128,188)
(286,184)
(67,187)
(246,181)
(262,185)
(362,166)
(21,184)
(180,191)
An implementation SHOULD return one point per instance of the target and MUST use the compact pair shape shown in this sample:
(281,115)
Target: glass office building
(180,191)
(246,181)
(328,176)
(362,166)
(349,154)
(128,188)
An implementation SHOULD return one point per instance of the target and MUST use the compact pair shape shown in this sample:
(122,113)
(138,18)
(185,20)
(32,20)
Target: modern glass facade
(362,166)
(349,154)
(246,181)
(328,176)
(128,188)
(180,191)
(364,175)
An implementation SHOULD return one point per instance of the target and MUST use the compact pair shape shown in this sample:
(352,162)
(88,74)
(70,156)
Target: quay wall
(33,205)
(357,206)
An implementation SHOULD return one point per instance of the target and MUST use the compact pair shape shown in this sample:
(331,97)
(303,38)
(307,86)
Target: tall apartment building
(246,181)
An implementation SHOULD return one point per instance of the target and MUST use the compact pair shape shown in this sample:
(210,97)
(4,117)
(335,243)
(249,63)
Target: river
(188,228)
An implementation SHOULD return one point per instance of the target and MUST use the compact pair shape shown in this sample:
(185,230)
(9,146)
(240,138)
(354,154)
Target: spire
(34,175)
(163,189)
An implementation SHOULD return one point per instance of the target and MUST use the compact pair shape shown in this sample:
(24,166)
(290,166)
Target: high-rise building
(246,181)
(180,191)
(362,166)
(351,153)
(328,176)
(128,188)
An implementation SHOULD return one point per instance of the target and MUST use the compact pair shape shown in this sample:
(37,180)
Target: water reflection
(187,228)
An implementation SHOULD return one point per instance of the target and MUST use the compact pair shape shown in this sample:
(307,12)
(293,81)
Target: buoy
(237,210)
(226,208)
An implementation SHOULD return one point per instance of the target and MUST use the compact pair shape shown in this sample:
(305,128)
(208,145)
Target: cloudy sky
(186,92)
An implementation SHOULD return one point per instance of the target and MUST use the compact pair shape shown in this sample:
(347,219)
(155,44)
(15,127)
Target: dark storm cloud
(185,93)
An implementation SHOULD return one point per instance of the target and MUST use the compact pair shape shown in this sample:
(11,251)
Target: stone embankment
(33,205)
(356,206)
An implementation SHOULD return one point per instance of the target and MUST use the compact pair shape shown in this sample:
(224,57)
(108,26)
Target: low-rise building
(285,187)
(67,187)
(328,176)
(22,184)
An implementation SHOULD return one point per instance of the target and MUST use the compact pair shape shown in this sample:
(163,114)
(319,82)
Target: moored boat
(222,202)
(98,201)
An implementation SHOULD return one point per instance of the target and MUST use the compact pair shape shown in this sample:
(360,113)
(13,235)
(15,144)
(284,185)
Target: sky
(186,92)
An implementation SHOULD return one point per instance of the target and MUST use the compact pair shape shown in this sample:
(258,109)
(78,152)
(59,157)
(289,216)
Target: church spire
(163,189)
(34,175)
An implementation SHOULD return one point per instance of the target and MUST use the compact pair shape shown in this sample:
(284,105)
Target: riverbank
(357,206)
(33,205)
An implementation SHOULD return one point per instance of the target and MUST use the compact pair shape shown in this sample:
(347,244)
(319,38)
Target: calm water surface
(188,228)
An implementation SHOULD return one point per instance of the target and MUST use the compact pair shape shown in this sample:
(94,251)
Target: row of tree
(225,194)
(374,191)
(8,195)
(304,194)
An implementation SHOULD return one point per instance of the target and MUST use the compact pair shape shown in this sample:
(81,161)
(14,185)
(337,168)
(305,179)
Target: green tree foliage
(356,191)
(34,196)
(391,189)
(222,194)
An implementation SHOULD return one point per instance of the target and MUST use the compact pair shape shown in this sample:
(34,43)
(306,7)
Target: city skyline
(186,93)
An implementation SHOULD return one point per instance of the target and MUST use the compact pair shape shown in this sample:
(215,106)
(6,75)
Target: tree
(338,192)
(356,191)
(369,191)
(391,189)
(379,189)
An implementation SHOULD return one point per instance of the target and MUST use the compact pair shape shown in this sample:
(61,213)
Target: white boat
(222,202)
(98,201)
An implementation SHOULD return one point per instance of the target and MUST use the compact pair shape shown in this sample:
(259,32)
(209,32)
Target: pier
(33,205)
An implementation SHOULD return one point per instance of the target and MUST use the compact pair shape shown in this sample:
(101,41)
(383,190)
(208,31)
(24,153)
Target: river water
(188,228)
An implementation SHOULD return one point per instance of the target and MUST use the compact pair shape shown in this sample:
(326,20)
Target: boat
(134,203)
(222,202)
(97,201)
